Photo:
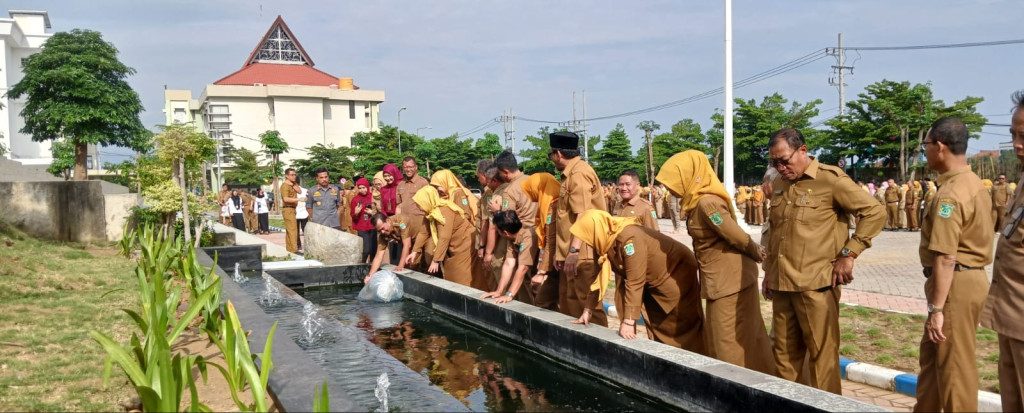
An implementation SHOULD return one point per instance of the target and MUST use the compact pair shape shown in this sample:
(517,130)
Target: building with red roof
(277,88)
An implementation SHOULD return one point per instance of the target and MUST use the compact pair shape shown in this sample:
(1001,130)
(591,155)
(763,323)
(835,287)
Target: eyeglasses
(924,144)
(777,162)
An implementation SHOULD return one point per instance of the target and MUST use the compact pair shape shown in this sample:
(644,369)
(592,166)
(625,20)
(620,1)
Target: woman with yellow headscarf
(912,204)
(656,274)
(451,188)
(452,234)
(543,188)
(727,258)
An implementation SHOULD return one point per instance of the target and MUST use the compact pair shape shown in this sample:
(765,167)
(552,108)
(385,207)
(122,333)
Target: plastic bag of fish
(384,286)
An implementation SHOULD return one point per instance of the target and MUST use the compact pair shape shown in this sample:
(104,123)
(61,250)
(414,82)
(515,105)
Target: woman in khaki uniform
(727,258)
(543,188)
(911,205)
(656,273)
(450,188)
(452,234)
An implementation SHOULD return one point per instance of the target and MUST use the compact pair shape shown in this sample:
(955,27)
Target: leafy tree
(274,145)
(372,150)
(754,123)
(63,153)
(247,170)
(337,161)
(448,153)
(685,134)
(648,126)
(487,147)
(715,140)
(184,149)
(76,90)
(888,121)
(615,155)
(534,158)
(125,173)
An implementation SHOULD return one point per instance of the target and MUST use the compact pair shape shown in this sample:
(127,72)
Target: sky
(457,64)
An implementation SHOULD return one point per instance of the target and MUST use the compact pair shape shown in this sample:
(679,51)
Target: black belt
(956,268)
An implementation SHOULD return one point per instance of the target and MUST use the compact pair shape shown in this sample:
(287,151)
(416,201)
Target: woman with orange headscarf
(655,273)
(543,188)
(452,234)
(727,258)
(450,187)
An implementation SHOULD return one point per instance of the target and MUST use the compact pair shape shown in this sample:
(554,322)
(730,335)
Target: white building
(279,89)
(23,34)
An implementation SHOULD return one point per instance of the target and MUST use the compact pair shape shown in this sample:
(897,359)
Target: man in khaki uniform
(289,200)
(413,215)
(1000,197)
(520,259)
(757,204)
(913,200)
(509,196)
(1003,310)
(633,205)
(811,255)
(575,261)
(956,245)
(892,206)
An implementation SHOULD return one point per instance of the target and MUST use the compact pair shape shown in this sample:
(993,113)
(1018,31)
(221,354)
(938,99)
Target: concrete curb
(903,383)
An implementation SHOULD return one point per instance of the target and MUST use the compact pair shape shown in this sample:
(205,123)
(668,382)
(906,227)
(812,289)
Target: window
(351,109)
(368,114)
(179,115)
(218,117)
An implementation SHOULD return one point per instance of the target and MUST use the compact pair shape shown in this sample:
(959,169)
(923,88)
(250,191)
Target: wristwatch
(932,309)
(573,250)
(846,252)
(508,294)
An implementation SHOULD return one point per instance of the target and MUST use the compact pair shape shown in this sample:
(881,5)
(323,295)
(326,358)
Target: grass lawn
(51,296)
(893,340)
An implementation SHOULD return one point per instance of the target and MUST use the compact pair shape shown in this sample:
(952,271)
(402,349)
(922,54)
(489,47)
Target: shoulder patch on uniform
(654,214)
(401,225)
(504,203)
(465,201)
(547,220)
(629,249)
(946,208)
(522,246)
(716,218)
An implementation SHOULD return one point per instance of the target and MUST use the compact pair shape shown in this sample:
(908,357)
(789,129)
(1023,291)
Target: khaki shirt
(500,243)
(398,227)
(958,222)
(455,226)
(892,195)
(726,255)
(288,191)
(462,200)
(1000,195)
(640,208)
(1004,309)
(406,189)
(524,249)
(646,259)
(513,198)
(580,191)
(808,226)
(913,198)
(757,197)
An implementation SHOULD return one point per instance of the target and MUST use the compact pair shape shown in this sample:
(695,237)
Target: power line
(767,74)
(940,46)
(480,127)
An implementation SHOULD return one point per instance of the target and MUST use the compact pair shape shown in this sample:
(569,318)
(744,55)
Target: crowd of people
(561,243)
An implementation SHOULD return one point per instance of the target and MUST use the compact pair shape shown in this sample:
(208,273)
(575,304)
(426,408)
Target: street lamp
(399,130)
(421,128)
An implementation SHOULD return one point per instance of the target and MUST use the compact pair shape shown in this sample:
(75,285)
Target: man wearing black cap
(575,261)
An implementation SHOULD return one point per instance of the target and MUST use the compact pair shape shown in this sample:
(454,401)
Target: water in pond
(439,356)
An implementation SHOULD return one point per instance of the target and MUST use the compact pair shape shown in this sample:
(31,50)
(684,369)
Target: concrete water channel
(445,350)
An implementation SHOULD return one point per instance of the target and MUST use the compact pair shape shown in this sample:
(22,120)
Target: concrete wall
(65,211)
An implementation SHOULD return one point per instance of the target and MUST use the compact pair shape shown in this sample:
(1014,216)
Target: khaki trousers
(545,295)
(949,376)
(892,210)
(1011,373)
(758,214)
(735,331)
(574,292)
(291,229)
(997,215)
(805,326)
(911,218)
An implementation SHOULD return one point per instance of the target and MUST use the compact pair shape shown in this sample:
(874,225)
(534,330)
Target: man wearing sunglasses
(811,255)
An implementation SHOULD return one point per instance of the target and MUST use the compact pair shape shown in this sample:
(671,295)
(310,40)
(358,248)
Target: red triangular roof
(270,73)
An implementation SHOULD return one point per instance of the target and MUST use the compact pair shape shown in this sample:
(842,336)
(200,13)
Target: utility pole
(839,70)
(730,185)
(650,164)
(398,131)
(508,121)
(586,147)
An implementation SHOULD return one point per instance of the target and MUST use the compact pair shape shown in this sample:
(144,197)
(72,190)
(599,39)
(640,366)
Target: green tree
(754,123)
(888,121)
(487,147)
(372,150)
(274,145)
(63,152)
(76,90)
(247,170)
(648,126)
(448,153)
(534,157)
(685,134)
(614,156)
(184,148)
(337,161)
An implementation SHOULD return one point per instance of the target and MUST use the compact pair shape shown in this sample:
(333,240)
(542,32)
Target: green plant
(129,239)
(240,366)
(321,399)
(200,280)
